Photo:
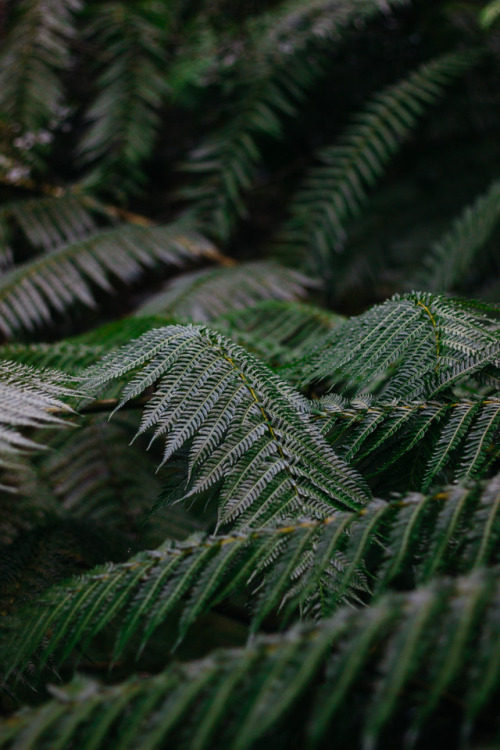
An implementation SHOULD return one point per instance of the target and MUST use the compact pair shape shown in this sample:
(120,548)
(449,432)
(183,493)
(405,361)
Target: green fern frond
(364,674)
(50,222)
(304,566)
(450,259)
(30,398)
(333,192)
(411,347)
(204,295)
(132,86)
(373,435)
(276,77)
(31,293)
(36,52)
(248,427)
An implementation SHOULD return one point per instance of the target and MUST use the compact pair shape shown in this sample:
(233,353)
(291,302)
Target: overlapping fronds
(304,566)
(51,221)
(289,55)
(382,674)
(334,191)
(454,439)
(248,428)
(31,293)
(204,295)
(411,347)
(451,257)
(124,118)
(35,54)
(30,398)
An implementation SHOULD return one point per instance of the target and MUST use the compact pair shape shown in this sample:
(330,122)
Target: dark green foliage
(230,515)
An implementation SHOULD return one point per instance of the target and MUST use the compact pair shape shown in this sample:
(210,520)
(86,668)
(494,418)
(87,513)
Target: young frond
(124,117)
(276,76)
(51,221)
(31,293)
(334,191)
(407,665)
(30,398)
(204,295)
(35,54)
(451,257)
(245,427)
(409,348)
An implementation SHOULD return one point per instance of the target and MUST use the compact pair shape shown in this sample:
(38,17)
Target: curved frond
(450,258)
(204,295)
(334,191)
(411,347)
(363,674)
(245,426)
(31,293)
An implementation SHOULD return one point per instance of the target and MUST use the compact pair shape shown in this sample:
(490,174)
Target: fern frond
(248,427)
(303,566)
(334,191)
(284,67)
(204,295)
(49,222)
(449,259)
(365,675)
(124,117)
(36,52)
(374,435)
(411,347)
(30,398)
(31,293)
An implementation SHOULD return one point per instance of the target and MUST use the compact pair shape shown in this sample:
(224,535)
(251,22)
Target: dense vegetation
(249,477)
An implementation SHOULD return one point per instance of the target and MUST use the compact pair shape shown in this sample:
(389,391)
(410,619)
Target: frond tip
(245,427)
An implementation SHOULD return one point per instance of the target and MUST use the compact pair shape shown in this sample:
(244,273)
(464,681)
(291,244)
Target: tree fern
(334,191)
(377,663)
(250,428)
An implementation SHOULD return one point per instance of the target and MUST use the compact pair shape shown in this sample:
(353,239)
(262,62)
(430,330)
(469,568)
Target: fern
(377,661)
(333,192)
(250,428)
(31,293)
(450,259)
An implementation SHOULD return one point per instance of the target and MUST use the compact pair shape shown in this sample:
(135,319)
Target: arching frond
(124,117)
(450,258)
(284,67)
(30,398)
(359,677)
(204,295)
(303,566)
(455,437)
(31,293)
(411,347)
(248,428)
(49,222)
(334,191)
(35,53)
